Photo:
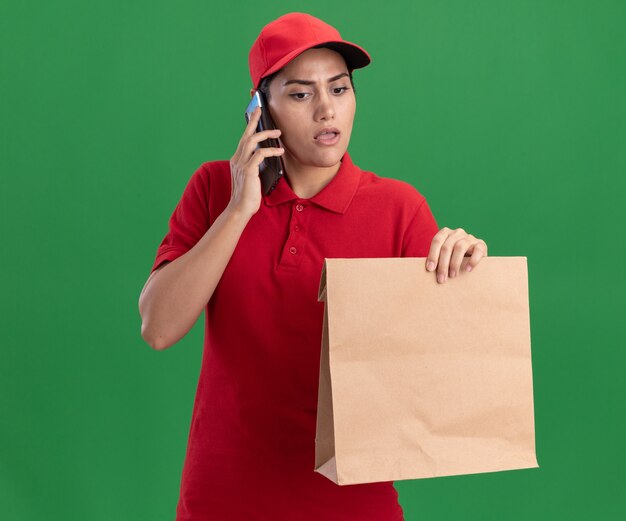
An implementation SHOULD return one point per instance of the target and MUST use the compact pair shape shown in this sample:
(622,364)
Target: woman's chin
(326,158)
(317,157)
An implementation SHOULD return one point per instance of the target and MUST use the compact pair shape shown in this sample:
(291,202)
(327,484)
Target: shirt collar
(335,196)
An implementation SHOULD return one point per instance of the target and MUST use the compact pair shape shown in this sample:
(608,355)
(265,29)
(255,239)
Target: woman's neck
(306,181)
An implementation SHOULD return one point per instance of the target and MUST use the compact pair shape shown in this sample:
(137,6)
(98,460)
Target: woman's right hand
(244,166)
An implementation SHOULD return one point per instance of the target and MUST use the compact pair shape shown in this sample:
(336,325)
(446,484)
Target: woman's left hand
(448,249)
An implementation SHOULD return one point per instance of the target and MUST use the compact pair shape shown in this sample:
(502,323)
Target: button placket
(294,246)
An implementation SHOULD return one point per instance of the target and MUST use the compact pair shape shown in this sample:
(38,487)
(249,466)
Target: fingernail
(440,278)
(430,266)
(468,267)
(452,273)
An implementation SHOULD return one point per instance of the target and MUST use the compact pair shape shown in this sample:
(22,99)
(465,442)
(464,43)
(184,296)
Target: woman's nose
(325,108)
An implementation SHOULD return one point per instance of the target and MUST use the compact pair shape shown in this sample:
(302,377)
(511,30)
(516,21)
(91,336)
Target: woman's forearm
(175,295)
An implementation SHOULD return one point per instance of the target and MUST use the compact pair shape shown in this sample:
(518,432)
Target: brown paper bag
(420,379)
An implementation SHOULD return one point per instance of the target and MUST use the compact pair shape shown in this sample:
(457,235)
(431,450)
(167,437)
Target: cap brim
(356,57)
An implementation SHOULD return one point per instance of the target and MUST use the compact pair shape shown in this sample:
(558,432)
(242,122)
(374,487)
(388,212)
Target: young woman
(253,261)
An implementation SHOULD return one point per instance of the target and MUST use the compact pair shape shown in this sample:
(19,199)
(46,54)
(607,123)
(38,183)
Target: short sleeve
(420,232)
(189,221)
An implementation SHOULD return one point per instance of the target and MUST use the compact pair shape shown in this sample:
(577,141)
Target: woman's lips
(327,138)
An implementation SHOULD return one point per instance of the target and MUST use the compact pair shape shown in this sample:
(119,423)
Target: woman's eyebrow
(307,82)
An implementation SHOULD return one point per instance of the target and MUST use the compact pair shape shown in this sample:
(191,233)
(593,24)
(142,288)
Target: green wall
(509,116)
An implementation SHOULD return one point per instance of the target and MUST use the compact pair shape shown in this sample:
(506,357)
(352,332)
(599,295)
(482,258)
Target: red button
(293,250)
(299,207)
(297,228)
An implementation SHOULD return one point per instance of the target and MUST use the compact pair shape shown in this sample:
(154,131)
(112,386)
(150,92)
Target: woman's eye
(304,95)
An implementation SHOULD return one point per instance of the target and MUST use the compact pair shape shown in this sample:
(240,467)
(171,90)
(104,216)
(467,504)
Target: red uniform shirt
(251,447)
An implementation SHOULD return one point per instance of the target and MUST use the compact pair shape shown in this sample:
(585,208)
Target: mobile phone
(271,168)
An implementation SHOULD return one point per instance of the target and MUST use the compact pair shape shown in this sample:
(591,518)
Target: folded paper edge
(328,469)
(321,294)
